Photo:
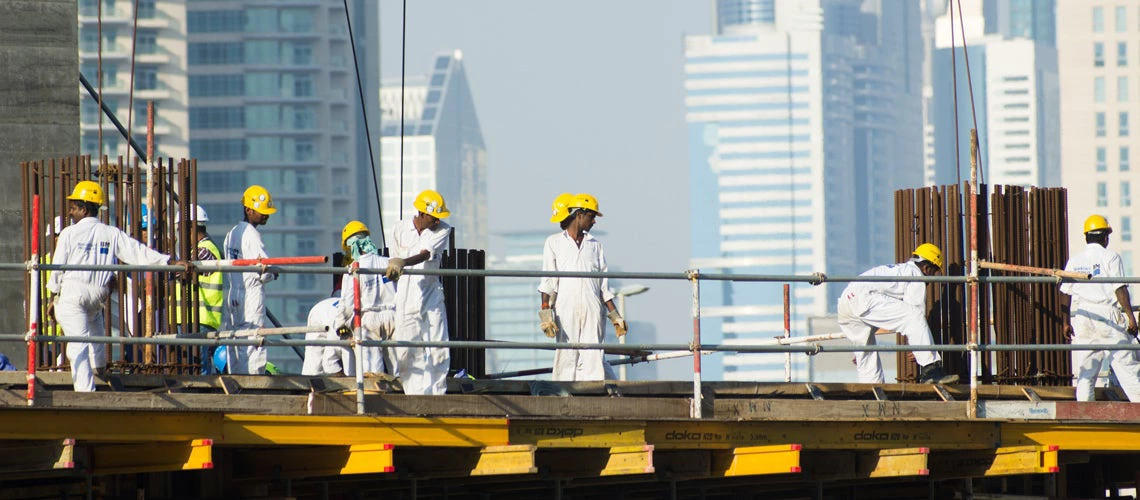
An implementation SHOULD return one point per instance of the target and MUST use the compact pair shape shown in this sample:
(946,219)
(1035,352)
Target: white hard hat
(200,214)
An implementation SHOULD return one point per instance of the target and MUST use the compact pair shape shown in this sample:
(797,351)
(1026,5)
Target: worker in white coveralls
(897,306)
(327,360)
(80,295)
(419,243)
(572,307)
(1099,313)
(244,306)
(377,293)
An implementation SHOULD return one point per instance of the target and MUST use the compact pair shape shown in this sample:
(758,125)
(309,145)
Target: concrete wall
(39,119)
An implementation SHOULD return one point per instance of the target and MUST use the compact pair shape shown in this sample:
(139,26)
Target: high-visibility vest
(210,294)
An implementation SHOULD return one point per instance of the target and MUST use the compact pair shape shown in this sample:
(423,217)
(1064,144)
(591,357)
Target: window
(1101,156)
(1101,194)
(217,117)
(218,149)
(146,77)
(1125,159)
(1101,124)
(1122,54)
(303,150)
(1122,89)
(306,216)
(215,53)
(303,86)
(216,85)
(1123,124)
(1098,88)
(1126,228)
(215,21)
(1098,54)
(1125,194)
(220,182)
(147,42)
(1098,20)
(302,54)
(1121,19)
(146,9)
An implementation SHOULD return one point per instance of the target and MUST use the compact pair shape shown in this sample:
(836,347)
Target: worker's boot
(934,374)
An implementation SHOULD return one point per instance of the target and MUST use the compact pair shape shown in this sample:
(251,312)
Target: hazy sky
(582,96)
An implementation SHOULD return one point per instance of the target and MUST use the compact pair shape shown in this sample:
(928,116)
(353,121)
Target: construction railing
(261,337)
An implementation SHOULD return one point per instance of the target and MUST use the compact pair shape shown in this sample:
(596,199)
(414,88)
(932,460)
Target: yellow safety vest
(210,294)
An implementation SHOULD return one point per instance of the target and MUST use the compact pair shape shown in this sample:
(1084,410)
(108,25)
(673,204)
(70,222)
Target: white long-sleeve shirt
(561,253)
(244,292)
(910,292)
(92,242)
(377,293)
(417,292)
(1100,262)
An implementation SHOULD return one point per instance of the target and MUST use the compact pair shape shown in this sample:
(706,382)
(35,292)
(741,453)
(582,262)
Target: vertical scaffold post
(358,335)
(694,278)
(787,331)
(33,300)
(973,307)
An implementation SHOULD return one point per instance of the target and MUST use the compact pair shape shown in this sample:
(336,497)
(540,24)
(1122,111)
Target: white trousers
(377,325)
(327,360)
(79,312)
(859,314)
(422,370)
(246,360)
(580,323)
(1103,327)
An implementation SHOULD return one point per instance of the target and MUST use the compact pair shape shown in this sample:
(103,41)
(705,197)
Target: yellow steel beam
(1005,461)
(1073,437)
(503,460)
(629,460)
(894,463)
(151,457)
(344,431)
(107,425)
(577,433)
(757,460)
(314,461)
(823,435)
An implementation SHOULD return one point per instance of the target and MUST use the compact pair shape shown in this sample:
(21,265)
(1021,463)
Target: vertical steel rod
(33,301)
(972,408)
(695,409)
(358,351)
(787,331)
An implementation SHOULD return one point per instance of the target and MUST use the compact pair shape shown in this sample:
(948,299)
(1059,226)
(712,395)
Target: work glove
(546,321)
(395,269)
(344,332)
(619,323)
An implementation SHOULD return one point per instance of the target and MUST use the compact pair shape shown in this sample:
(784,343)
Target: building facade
(442,149)
(1099,43)
(513,304)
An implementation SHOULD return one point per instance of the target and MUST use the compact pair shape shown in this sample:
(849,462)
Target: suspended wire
(970,83)
(954,91)
(99,76)
(367,131)
(131,92)
(403,76)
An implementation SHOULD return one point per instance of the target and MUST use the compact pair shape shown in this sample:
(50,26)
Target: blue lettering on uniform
(1096,270)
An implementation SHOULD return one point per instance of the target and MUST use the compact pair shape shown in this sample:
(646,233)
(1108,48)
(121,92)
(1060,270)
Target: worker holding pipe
(894,306)
(572,308)
(244,306)
(420,243)
(1099,313)
(80,295)
(377,293)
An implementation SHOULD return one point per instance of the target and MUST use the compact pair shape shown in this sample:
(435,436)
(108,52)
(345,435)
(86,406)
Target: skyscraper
(513,303)
(442,149)
(1100,45)
(1025,19)
(160,74)
(800,127)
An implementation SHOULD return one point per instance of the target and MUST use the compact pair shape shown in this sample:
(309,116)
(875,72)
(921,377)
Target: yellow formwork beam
(21,457)
(577,433)
(347,431)
(823,435)
(1005,461)
(1073,437)
(108,425)
(503,460)
(757,460)
(894,463)
(109,458)
(314,461)
(629,460)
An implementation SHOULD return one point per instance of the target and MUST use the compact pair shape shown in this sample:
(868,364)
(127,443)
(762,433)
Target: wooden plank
(799,410)
(943,393)
(1105,411)
(525,406)
(1018,410)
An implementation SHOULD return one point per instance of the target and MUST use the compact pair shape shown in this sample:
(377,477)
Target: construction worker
(326,360)
(210,293)
(576,315)
(1099,313)
(377,293)
(80,295)
(894,306)
(420,242)
(244,306)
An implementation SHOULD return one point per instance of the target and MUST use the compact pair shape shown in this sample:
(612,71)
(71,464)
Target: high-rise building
(1009,90)
(801,125)
(513,303)
(1100,45)
(442,149)
(1026,19)
(159,74)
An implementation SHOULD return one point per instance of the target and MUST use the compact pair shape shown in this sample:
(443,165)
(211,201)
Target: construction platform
(151,436)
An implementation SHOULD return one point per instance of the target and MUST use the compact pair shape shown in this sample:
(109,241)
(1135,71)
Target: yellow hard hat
(1097,223)
(350,229)
(88,191)
(930,253)
(431,203)
(586,201)
(561,207)
(258,199)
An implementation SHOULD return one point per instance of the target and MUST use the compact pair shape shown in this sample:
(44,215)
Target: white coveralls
(579,307)
(326,360)
(893,306)
(377,308)
(1097,318)
(244,306)
(79,309)
(420,312)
